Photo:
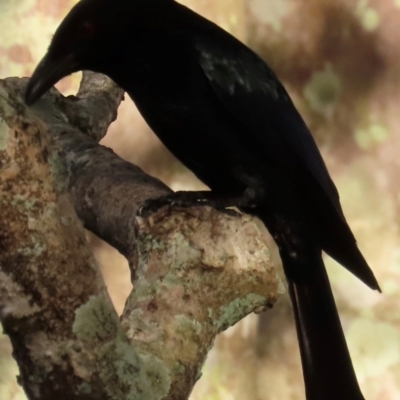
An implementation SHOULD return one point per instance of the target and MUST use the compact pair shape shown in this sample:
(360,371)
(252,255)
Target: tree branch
(196,271)
(54,304)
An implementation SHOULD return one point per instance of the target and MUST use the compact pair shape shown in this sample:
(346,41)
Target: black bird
(222,111)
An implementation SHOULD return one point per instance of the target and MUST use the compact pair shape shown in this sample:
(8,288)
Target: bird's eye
(86,30)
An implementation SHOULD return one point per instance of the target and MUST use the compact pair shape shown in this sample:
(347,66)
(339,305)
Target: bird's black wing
(253,95)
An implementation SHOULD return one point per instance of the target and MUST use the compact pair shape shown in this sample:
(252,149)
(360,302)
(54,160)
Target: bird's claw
(184,200)
(178,199)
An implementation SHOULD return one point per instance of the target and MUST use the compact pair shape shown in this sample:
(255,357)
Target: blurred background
(340,61)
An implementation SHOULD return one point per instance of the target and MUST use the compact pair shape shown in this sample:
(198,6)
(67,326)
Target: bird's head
(89,38)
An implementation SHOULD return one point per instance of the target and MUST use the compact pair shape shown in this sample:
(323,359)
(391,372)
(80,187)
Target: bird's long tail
(327,367)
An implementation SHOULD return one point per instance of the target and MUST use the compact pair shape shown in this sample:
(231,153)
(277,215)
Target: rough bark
(196,271)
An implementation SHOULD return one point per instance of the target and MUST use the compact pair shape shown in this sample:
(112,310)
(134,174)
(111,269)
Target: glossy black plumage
(220,109)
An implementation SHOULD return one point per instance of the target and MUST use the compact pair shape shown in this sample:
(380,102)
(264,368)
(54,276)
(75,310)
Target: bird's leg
(194,198)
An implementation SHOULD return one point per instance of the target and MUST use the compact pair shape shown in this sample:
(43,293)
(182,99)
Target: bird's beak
(46,75)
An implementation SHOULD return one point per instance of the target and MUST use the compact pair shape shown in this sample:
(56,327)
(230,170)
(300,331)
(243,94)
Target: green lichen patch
(124,374)
(95,320)
(180,251)
(158,375)
(120,369)
(132,378)
(188,324)
(4,134)
(234,312)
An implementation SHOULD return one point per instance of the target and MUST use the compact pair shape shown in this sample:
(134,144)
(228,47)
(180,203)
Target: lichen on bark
(196,271)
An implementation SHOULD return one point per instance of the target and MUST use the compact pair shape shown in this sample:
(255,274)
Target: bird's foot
(185,199)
